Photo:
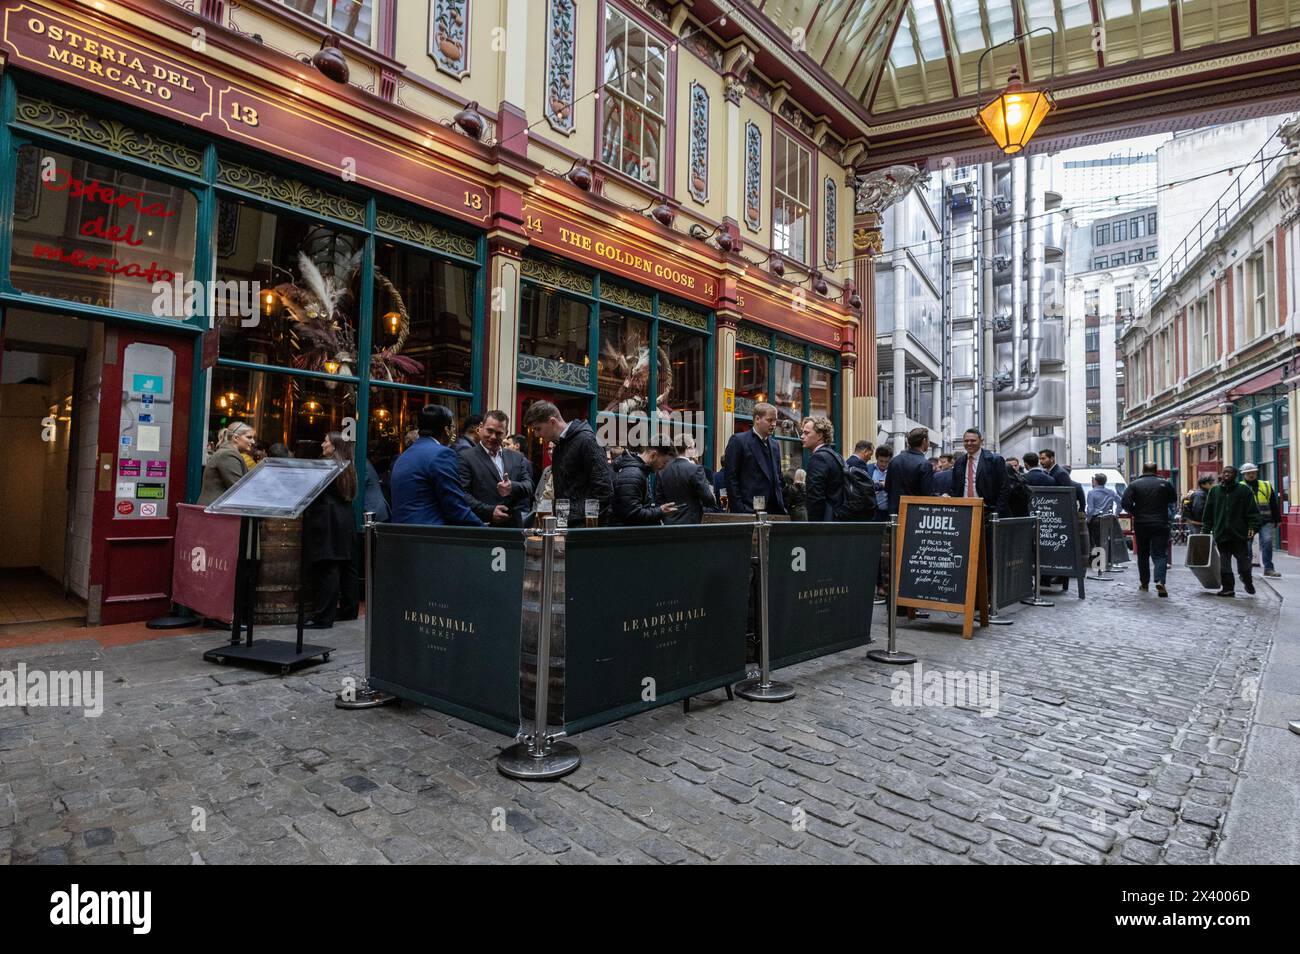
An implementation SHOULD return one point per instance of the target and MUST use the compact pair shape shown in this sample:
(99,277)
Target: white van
(1114,479)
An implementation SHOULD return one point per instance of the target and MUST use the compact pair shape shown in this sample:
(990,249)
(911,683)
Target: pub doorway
(572,407)
(47,411)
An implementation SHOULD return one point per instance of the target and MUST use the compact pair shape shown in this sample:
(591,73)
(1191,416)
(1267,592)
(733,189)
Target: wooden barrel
(275,600)
(529,633)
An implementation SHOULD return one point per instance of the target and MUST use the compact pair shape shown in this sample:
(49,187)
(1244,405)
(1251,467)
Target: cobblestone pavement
(1118,738)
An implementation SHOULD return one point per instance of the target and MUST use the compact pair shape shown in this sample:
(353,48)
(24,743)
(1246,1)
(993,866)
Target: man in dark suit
(753,465)
(861,456)
(1061,476)
(1034,474)
(981,473)
(941,482)
(497,481)
(910,474)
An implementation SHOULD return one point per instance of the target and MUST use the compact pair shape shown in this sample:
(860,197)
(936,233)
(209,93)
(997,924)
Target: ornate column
(736,65)
(504,252)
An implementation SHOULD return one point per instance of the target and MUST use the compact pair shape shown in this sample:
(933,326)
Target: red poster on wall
(203,571)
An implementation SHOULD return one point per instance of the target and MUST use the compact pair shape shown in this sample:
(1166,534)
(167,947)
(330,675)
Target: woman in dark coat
(825,469)
(329,540)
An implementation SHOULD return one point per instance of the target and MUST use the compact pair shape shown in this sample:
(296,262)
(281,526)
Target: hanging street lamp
(1014,115)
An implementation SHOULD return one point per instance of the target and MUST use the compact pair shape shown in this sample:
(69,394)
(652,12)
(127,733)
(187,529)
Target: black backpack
(858,502)
(1018,494)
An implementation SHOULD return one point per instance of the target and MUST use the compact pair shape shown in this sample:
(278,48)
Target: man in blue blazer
(426,478)
(753,465)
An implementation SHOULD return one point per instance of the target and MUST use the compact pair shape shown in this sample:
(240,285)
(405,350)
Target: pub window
(286,409)
(92,233)
(308,275)
(623,371)
(424,324)
(553,329)
(1102,234)
(635,81)
(353,18)
(792,185)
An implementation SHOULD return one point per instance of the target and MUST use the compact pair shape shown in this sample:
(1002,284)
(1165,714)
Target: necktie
(970,476)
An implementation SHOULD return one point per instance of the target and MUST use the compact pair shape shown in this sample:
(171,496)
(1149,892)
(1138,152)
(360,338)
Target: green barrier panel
(821,588)
(445,619)
(651,615)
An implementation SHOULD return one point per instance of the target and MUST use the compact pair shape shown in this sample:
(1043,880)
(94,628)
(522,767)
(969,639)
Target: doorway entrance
(95,425)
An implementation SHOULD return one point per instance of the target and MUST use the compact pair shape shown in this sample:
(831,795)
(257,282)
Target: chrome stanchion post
(994,618)
(1038,574)
(540,757)
(892,655)
(763,689)
(363,696)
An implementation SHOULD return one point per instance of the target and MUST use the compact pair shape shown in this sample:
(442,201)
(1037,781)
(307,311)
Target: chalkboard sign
(1061,533)
(937,565)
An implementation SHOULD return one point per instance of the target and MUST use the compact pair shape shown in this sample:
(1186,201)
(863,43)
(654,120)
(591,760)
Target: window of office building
(1135,255)
(1151,223)
(1117,259)
(1137,227)
(1101,235)
(1120,231)
(1093,370)
(1099,263)
(1151,253)
(1091,340)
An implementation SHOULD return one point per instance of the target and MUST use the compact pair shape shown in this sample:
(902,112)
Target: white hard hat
(1248,468)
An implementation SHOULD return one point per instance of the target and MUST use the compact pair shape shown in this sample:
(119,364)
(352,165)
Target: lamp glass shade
(1014,116)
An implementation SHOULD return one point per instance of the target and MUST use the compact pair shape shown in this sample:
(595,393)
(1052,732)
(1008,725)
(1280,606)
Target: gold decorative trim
(622,295)
(870,241)
(683,316)
(109,134)
(751,336)
(822,359)
(425,233)
(290,191)
(556,275)
(790,349)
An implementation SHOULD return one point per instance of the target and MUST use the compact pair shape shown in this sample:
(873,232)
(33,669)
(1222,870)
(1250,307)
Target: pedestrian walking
(1270,515)
(1102,501)
(1232,516)
(329,540)
(753,465)
(579,469)
(981,473)
(426,478)
(911,473)
(227,464)
(1148,499)
(1193,508)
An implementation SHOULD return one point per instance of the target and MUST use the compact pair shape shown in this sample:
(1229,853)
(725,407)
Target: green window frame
(775,346)
(606,294)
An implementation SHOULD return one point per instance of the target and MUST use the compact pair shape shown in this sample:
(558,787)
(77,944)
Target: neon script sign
(92,190)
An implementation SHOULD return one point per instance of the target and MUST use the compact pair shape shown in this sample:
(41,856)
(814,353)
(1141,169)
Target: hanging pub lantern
(1014,115)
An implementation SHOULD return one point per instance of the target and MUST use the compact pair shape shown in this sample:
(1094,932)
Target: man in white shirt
(497,481)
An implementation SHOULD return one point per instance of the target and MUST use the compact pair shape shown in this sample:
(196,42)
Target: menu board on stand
(938,563)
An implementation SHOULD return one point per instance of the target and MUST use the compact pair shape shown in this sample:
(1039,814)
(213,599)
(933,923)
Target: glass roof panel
(967,24)
(1077,14)
(1041,13)
(903,54)
(927,30)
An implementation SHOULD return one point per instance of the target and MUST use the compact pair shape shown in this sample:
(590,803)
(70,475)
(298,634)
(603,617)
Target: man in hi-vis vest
(1270,514)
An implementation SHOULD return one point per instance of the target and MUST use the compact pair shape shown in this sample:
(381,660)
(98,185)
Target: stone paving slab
(1118,735)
